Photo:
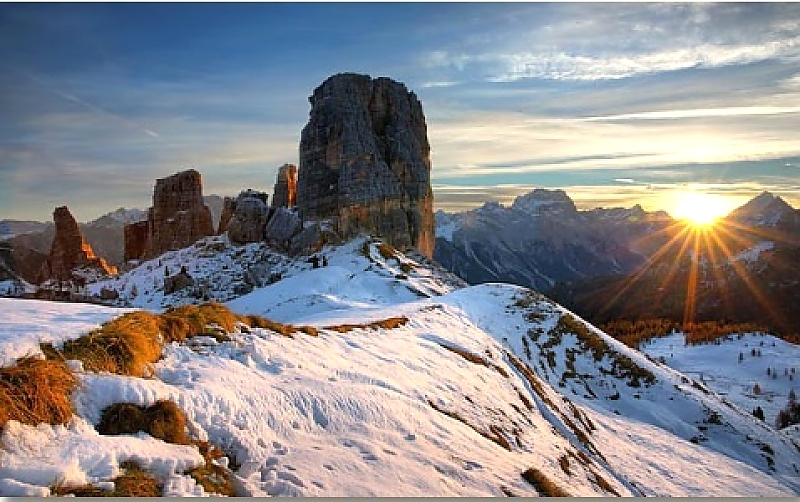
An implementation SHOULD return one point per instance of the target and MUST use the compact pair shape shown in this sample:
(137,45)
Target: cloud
(740,111)
(558,65)
(443,83)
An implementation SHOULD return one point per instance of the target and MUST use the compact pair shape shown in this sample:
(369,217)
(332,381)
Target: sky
(615,103)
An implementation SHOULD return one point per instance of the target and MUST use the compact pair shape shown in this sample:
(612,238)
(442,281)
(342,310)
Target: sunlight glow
(701,209)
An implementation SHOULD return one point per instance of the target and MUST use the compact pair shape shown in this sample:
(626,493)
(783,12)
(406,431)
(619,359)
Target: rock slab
(365,161)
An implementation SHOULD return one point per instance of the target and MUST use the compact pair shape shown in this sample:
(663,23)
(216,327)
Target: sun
(700,209)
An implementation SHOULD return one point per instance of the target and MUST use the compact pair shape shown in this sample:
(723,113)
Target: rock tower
(178,218)
(365,161)
(70,255)
(285,192)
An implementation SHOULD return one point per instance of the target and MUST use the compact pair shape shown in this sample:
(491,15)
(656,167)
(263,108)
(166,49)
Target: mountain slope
(474,391)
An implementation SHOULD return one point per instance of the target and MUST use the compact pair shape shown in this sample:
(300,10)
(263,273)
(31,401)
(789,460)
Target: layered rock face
(365,161)
(136,235)
(70,252)
(178,217)
(285,192)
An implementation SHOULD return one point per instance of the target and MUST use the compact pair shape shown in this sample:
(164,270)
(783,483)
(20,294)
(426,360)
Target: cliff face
(365,161)
(70,254)
(178,218)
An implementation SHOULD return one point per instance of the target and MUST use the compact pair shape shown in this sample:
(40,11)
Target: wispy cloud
(740,111)
(558,65)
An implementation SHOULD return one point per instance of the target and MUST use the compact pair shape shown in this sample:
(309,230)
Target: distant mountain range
(542,239)
(616,263)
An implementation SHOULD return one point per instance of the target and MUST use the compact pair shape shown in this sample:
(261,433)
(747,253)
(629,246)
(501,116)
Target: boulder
(177,282)
(365,161)
(282,226)
(250,216)
(285,191)
(70,255)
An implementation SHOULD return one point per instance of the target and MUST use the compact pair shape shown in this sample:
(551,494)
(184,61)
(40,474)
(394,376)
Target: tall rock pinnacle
(70,255)
(365,161)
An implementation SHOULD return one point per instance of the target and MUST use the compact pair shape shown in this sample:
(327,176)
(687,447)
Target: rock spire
(365,161)
(70,255)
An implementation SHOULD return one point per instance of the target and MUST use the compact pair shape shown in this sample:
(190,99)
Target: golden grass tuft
(34,390)
(255,321)
(187,321)
(386,250)
(127,345)
(212,477)
(544,485)
(133,482)
(164,420)
(390,323)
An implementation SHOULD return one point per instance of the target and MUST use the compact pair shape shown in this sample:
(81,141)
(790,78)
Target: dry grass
(289,330)
(212,477)
(34,390)
(127,345)
(544,485)
(164,420)
(130,344)
(134,482)
(390,323)
(386,251)
(188,321)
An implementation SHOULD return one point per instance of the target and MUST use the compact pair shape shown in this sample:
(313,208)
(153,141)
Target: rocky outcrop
(285,191)
(70,255)
(250,215)
(177,282)
(365,161)
(178,217)
(136,235)
(228,205)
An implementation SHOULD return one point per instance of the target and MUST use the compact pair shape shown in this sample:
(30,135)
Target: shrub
(33,391)
(544,485)
(164,420)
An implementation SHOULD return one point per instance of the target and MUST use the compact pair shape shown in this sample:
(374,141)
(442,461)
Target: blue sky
(616,103)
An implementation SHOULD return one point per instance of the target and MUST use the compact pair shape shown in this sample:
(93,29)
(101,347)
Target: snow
(735,379)
(752,253)
(419,410)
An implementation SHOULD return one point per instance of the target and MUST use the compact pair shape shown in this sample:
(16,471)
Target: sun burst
(700,210)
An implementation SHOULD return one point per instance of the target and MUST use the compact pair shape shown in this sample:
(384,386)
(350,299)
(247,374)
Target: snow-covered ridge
(480,385)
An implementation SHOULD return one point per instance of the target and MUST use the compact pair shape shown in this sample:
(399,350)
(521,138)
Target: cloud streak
(739,111)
